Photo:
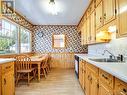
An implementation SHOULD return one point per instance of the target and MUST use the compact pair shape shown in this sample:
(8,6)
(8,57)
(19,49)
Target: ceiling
(36,12)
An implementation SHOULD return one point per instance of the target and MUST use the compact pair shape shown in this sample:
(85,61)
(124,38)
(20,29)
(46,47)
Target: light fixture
(53,7)
(52,2)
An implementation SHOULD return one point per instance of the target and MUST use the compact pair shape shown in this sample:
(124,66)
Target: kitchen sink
(103,60)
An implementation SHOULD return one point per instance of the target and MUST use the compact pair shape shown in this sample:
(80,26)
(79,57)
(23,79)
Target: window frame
(18,47)
(54,40)
(20,41)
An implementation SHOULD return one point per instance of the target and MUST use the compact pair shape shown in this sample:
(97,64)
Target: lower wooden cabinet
(95,81)
(82,74)
(7,79)
(104,89)
(91,82)
(120,87)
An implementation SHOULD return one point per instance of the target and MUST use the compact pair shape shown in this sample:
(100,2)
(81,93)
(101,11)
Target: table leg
(39,72)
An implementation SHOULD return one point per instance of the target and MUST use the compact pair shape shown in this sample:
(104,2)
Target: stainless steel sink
(103,60)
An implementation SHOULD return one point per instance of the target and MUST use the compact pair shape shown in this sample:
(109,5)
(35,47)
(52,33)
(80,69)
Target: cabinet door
(120,87)
(88,30)
(80,72)
(94,85)
(99,17)
(92,26)
(104,90)
(88,75)
(122,14)
(109,10)
(85,32)
(8,83)
(82,36)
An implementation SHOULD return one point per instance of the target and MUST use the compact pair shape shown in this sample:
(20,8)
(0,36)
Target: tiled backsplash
(115,46)
(44,44)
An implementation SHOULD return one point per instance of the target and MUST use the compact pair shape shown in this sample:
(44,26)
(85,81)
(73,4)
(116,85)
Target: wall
(60,58)
(44,44)
(116,46)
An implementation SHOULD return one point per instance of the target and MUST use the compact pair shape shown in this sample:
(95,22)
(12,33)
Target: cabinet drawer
(120,87)
(94,69)
(106,78)
(7,67)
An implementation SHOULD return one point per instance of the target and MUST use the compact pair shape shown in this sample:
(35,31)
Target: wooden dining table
(37,60)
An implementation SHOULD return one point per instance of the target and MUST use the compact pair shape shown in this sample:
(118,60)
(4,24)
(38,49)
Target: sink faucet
(112,55)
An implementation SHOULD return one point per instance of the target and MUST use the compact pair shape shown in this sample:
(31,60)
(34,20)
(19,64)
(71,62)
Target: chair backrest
(23,62)
(45,61)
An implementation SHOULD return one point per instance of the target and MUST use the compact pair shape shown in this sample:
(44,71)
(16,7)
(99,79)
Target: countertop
(5,60)
(117,69)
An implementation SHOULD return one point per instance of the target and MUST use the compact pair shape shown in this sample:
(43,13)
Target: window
(8,37)
(12,40)
(25,40)
(59,41)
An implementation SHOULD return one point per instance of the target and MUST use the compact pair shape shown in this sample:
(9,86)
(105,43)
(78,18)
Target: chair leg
(28,78)
(34,73)
(18,76)
(44,72)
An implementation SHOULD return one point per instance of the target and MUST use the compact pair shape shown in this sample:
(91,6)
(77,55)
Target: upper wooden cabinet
(122,18)
(99,16)
(109,10)
(92,27)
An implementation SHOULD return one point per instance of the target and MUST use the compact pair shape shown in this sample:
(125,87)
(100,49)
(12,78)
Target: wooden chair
(44,67)
(24,69)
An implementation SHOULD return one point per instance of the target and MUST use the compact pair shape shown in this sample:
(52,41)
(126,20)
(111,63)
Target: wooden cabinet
(92,28)
(120,87)
(88,30)
(91,81)
(99,16)
(95,81)
(106,82)
(82,73)
(7,79)
(109,10)
(122,18)
(104,89)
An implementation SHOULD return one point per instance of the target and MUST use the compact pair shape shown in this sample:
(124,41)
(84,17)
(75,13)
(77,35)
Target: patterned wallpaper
(44,44)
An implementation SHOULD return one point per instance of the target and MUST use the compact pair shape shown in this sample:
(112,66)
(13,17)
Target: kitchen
(51,47)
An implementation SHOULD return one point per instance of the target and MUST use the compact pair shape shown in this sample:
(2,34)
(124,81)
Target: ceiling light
(52,2)
(53,7)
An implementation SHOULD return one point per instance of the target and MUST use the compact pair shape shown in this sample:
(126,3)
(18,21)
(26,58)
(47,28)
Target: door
(109,10)
(99,16)
(104,90)
(122,17)
(92,26)
(94,85)
(8,83)
(88,30)
(85,32)
(88,76)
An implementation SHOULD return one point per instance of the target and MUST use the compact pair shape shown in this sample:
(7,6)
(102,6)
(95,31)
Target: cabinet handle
(4,81)
(8,67)
(104,15)
(124,92)
(100,19)
(104,76)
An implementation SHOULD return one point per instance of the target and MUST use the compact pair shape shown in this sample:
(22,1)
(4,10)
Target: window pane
(25,41)
(8,38)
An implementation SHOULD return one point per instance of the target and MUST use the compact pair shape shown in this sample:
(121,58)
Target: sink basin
(104,60)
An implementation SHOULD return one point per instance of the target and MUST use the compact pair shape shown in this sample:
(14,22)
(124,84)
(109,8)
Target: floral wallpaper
(42,39)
